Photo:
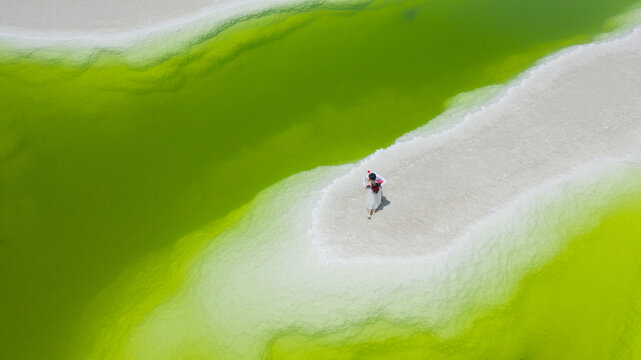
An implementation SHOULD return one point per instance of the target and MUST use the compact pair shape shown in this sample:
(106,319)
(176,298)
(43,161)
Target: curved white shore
(116,19)
(139,31)
(580,107)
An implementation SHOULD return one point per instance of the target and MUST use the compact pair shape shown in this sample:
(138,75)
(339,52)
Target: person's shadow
(384,203)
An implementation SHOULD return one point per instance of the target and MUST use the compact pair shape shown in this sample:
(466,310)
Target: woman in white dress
(373,184)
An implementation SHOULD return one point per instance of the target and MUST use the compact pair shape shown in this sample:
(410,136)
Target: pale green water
(107,163)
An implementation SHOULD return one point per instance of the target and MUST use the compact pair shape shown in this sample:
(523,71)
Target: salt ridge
(145,42)
(408,229)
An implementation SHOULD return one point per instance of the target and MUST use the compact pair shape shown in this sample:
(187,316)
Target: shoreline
(146,41)
(215,16)
(144,45)
(152,38)
(573,108)
(136,26)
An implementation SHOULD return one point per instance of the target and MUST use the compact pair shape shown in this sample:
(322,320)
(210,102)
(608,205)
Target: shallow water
(107,163)
(551,276)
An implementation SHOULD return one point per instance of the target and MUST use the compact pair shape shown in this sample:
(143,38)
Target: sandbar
(577,107)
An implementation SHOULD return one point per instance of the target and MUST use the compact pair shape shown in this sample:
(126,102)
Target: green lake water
(106,162)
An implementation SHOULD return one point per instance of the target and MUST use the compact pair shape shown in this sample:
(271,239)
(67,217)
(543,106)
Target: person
(373,183)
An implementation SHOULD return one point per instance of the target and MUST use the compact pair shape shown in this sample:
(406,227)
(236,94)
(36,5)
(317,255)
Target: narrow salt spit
(579,107)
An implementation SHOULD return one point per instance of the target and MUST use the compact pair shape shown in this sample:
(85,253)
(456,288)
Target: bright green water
(104,163)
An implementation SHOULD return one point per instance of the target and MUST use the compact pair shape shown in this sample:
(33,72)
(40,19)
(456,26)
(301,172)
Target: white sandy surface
(97,19)
(90,15)
(581,106)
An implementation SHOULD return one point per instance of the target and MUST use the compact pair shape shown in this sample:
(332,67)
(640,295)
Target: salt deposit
(577,108)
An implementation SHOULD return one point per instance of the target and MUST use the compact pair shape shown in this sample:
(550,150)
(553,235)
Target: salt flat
(60,19)
(578,107)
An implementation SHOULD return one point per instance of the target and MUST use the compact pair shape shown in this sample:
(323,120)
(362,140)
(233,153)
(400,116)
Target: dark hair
(372,176)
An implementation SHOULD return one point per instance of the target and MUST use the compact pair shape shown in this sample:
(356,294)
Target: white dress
(373,199)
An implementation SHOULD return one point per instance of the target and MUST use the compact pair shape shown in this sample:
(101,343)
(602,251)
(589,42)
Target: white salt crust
(580,106)
(104,20)
(139,31)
